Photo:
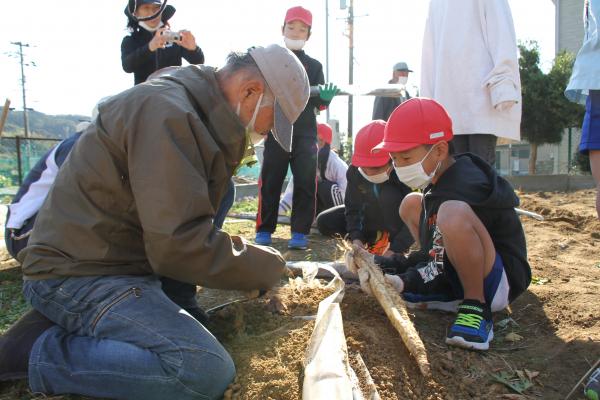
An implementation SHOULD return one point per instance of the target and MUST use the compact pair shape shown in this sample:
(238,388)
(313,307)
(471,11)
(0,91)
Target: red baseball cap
(415,122)
(367,138)
(325,133)
(298,14)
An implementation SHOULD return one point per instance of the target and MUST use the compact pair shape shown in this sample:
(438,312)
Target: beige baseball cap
(288,81)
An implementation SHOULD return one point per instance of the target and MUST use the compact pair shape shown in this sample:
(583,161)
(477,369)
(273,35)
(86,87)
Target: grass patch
(244,206)
(12,302)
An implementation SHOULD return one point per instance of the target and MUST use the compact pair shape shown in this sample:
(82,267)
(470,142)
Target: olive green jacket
(138,192)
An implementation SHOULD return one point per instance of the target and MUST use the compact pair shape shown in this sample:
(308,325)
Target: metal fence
(18,155)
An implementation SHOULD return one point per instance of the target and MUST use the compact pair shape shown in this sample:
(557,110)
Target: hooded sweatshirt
(471,180)
(306,124)
(371,207)
(139,191)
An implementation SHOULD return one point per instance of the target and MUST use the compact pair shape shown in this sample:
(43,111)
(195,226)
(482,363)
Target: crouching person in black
(370,216)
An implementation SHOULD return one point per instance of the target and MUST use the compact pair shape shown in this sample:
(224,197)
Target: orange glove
(382,243)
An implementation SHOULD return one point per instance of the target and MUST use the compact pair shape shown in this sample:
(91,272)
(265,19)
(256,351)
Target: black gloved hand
(398,263)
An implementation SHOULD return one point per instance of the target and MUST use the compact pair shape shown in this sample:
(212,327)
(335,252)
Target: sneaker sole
(448,306)
(459,341)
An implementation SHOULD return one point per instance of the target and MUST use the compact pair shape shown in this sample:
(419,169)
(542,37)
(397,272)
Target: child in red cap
(464,221)
(370,216)
(303,157)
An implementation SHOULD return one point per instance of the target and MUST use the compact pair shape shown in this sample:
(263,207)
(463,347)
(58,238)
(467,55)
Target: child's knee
(453,214)
(410,206)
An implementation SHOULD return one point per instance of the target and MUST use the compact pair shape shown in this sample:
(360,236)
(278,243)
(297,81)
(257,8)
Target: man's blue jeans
(225,205)
(120,337)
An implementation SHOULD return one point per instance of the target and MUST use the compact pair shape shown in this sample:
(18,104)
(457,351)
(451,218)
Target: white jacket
(335,172)
(470,65)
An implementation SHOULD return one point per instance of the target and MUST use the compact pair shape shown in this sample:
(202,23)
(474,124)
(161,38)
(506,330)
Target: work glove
(328,91)
(351,266)
(396,282)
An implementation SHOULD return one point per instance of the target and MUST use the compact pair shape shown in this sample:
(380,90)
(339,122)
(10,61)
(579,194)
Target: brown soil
(558,319)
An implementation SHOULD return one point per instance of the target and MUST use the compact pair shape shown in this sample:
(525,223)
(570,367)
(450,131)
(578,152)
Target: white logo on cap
(436,135)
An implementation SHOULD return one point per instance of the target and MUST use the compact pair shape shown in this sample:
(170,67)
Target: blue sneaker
(592,389)
(298,241)
(473,327)
(263,238)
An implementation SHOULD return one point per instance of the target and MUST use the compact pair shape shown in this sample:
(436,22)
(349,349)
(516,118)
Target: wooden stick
(394,307)
(577,385)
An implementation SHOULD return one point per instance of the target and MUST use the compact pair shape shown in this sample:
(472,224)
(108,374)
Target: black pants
(484,145)
(332,222)
(303,161)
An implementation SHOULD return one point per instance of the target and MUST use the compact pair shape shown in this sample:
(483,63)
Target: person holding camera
(151,45)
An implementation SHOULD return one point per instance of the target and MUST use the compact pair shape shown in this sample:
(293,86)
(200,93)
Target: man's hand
(328,91)
(188,41)
(276,304)
(158,41)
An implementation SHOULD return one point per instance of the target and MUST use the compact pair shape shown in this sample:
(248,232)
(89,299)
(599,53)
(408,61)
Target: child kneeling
(475,256)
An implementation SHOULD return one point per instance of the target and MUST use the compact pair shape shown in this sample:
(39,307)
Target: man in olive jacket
(135,200)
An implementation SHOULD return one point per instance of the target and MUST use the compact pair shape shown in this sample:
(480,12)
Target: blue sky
(76,44)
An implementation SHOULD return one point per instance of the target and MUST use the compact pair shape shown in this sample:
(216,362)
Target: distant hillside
(42,125)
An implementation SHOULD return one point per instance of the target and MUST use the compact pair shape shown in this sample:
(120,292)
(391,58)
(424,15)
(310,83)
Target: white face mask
(414,176)
(147,27)
(402,80)
(254,136)
(294,44)
(379,178)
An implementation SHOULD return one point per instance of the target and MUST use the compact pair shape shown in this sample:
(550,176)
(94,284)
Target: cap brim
(303,20)
(362,161)
(282,128)
(394,146)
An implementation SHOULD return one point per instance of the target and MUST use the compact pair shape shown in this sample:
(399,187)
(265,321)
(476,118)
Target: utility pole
(350,65)
(25,119)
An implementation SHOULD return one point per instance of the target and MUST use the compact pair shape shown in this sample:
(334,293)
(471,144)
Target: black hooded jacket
(373,207)
(136,56)
(471,180)
(306,124)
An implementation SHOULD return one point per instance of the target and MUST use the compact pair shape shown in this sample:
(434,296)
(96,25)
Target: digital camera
(171,36)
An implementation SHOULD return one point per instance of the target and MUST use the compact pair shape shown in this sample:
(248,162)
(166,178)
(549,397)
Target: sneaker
(17,342)
(439,302)
(473,327)
(263,238)
(298,241)
(592,389)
